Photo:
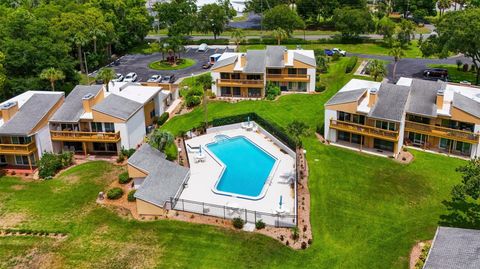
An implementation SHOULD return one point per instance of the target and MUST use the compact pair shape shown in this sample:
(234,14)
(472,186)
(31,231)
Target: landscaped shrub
(272,91)
(295,234)
(336,57)
(193,97)
(171,151)
(124,178)
(114,193)
(351,64)
(259,224)
(120,158)
(238,223)
(127,152)
(131,197)
(163,118)
(51,163)
(319,87)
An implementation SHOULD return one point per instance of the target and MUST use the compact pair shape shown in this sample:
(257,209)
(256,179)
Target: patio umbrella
(281,198)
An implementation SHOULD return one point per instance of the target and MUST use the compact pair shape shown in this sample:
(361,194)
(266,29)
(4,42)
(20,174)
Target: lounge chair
(191,149)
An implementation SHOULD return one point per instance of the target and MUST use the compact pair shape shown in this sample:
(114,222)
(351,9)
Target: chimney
(372,97)
(8,110)
(440,95)
(87,100)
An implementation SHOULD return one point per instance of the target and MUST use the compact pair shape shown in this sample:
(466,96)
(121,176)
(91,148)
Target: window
(226,91)
(383,144)
(302,71)
(254,92)
(344,116)
(254,77)
(152,114)
(96,127)
(274,71)
(69,127)
(386,125)
(417,139)
(292,71)
(3,159)
(359,119)
(465,126)
(235,76)
(106,147)
(23,160)
(109,127)
(344,136)
(21,140)
(237,92)
(224,75)
(302,86)
(418,119)
(444,143)
(357,139)
(292,86)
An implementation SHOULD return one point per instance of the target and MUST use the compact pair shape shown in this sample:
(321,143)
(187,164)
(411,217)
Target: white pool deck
(204,175)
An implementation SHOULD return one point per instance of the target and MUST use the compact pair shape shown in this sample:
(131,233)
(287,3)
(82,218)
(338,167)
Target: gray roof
(118,107)
(391,102)
(275,56)
(454,248)
(30,114)
(225,62)
(423,97)
(304,59)
(466,104)
(164,179)
(255,61)
(346,97)
(72,108)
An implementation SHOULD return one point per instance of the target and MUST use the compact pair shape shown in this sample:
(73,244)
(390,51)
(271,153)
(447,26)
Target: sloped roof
(391,102)
(423,97)
(225,62)
(274,56)
(346,97)
(255,61)
(72,108)
(454,248)
(466,104)
(118,107)
(30,114)
(164,179)
(304,59)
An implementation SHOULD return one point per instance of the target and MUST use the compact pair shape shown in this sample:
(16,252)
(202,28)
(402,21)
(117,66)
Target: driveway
(138,63)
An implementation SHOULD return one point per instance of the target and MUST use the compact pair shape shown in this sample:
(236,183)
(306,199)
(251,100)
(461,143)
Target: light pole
(86,66)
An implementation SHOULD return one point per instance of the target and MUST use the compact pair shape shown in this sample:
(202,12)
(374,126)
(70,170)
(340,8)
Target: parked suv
(168,79)
(130,77)
(436,73)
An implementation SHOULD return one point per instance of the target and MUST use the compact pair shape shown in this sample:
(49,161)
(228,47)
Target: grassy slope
(366,211)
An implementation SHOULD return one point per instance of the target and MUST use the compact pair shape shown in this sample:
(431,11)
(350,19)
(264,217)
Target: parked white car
(118,78)
(155,78)
(130,77)
(339,51)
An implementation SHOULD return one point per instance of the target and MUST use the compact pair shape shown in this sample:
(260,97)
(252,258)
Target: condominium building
(24,131)
(94,120)
(382,117)
(245,75)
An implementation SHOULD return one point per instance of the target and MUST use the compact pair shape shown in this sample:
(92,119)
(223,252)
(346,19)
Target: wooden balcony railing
(443,132)
(241,81)
(288,76)
(364,130)
(76,136)
(18,149)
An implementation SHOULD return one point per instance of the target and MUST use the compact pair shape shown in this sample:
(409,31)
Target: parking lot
(138,63)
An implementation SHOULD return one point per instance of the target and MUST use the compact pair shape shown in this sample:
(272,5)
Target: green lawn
(160,65)
(367,212)
(456,75)
(366,48)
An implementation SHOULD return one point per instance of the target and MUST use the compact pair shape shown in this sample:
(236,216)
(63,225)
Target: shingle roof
(423,96)
(274,56)
(346,97)
(454,248)
(30,114)
(225,62)
(164,179)
(304,59)
(466,104)
(391,102)
(118,107)
(72,108)
(255,61)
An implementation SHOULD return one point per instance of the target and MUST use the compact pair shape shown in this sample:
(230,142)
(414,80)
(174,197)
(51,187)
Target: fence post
(203,208)
(224,212)
(245,215)
(255,214)
(183,205)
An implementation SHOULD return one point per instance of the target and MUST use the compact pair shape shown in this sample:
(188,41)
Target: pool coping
(266,184)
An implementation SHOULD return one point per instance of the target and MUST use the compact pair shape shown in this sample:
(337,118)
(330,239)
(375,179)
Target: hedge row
(289,41)
(273,129)
(351,64)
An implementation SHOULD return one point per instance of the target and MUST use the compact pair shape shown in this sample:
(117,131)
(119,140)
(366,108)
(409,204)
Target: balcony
(18,149)
(364,130)
(240,83)
(289,77)
(442,132)
(75,136)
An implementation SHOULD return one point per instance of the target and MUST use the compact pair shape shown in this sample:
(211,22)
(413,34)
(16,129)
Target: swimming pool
(247,167)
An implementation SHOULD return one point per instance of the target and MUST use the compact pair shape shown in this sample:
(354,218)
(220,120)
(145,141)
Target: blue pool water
(247,166)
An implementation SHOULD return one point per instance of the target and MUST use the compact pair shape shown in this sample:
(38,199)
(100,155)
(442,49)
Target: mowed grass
(367,212)
(161,65)
(456,75)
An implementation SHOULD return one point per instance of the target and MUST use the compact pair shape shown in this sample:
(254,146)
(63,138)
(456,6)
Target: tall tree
(178,16)
(214,18)
(386,27)
(457,33)
(238,37)
(397,53)
(443,5)
(406,32)
(376,68)
(283,17)
(2,75)
(106,75)
(52,75)
(352,22)
(261,6)
(205,81)
(279,34)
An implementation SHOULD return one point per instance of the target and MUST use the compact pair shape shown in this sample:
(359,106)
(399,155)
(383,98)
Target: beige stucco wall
(146,208)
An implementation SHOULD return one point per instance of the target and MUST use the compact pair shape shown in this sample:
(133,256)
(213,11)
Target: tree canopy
(282,17)
(352,22)
(178,16)
(214,17)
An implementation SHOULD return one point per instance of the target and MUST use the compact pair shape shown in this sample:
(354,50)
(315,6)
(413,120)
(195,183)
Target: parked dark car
(207,65)
(168,79)
(435,74)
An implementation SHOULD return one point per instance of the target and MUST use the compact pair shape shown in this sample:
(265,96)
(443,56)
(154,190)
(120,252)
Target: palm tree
(238,36)
(160,139)
(444,4)
(279,34)
(206,82)
(297,129)
(106,74)
(376,68)
(397,53)
(96,33)
(51,74)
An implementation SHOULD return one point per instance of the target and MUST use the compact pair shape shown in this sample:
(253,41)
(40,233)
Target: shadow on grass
(461,214)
